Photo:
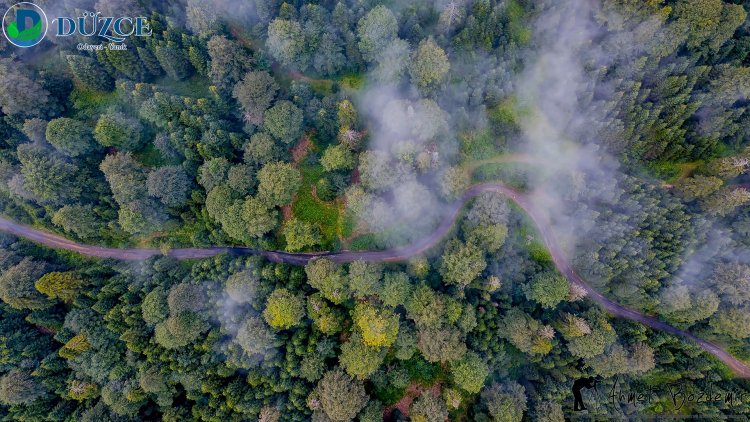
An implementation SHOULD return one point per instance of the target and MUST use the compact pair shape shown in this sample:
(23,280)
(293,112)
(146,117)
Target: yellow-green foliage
(284,309)
(74,346)
(81,390)
(57,285)
(379,327)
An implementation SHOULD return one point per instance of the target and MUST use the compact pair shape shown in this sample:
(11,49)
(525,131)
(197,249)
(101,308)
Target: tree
(732,281)
(429,66)
(255,93)
(243,286)
(364,278)
(258,217)
(213,172)
(284,310)
(81,220)
(379,327)
(60,285)
(325,318)
(154,308)
(733,322)
(340,396)
(89,73)
(17,285)
(428,408)
(286,43)
(549,411)
(698,187)
(358,359)
(256,339)
(328,278)
(115,129)
(547,289)
(22,96)
(425,306)
(46,175)
(462,263)
(337,157)
(300,235)
(469,372)
(453,182)
(173,60)
(261,149)
(284,121)
(171,184)
(441,344)
(185,297)
(505,402)
(18,388)
(397,289)
(179,330)
(70,136)
(229,62)
(277,183)
(376,30)
(527,334)
(723,202)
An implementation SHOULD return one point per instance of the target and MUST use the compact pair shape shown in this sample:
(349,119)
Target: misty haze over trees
(356,125)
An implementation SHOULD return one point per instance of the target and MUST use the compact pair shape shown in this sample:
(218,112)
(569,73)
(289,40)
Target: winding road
(393,255)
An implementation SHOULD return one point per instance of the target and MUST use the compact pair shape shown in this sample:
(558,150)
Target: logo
(25,24)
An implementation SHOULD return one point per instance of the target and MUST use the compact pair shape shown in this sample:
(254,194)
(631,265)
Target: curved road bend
(393,255)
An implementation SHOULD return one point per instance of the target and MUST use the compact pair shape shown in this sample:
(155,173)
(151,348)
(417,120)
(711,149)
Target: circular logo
(25,24)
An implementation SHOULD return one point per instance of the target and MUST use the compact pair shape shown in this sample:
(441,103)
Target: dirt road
(394,255)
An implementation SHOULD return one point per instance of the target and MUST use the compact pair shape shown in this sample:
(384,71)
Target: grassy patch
(149,156)
(89,104)
(308,208)
(478,145)
(353,81)
(196,86)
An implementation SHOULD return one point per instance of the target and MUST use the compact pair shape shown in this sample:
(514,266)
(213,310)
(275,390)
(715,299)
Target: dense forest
(356,125)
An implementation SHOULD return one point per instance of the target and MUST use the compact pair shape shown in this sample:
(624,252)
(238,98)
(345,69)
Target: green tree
(284,310)
(364,278)
(300,235)
(115,129)
(733,322)
(89,73)
(154,308)
(441,344)
(284,121)
(469,372)
(277,183)
(170,184)
(258,217)
(60,285)
(505,402)
(17,285)
(48,176)
(261,149)
(229,62)
(429,66)
(340,396)
(548,289)
(286,43)
(461,263)
(428,408)
(397,289)
(81,220)
(726,200)
(376,30)
(70,136)
(698,187)
(255,93)
(325,318)
(337,157)
(18,388)
(328,278)
(358,359)
(379,327)
(179,330)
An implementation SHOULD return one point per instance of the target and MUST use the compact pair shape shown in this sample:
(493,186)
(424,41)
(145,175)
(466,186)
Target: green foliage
(284,310)
(428,408)
(548,289)
(379,327)
(469,373)
(115,129)
(300,235)
(329,279)
(60,285)
(461,263)
(284,122)
(359,359)
(17,388)
(340,396)
(277,183)
(17,285)
(70,136)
